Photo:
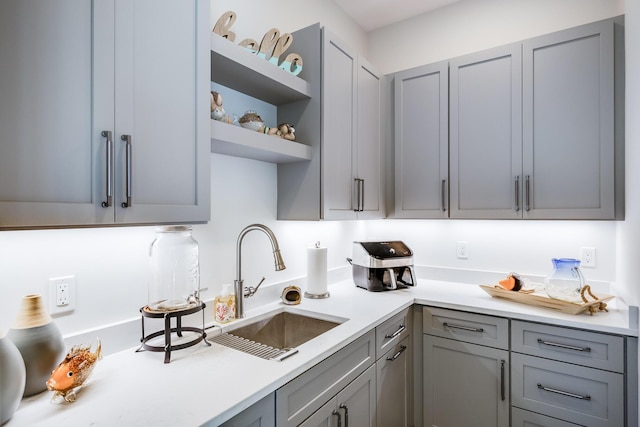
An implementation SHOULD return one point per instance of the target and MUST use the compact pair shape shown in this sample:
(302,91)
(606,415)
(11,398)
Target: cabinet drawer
(573,393)
(592,349)
(521,418)
(302,396)
(391,332)
(474,328)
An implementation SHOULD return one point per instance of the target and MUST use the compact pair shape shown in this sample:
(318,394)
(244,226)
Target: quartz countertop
(210,384)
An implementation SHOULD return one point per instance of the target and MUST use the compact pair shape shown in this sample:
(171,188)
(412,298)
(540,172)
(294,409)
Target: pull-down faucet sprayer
(240,291)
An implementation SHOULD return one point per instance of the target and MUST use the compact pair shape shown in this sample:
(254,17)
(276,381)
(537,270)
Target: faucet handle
(250,290)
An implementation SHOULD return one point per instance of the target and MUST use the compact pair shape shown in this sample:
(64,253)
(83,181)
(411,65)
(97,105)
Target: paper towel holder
(316,296)
(319,294)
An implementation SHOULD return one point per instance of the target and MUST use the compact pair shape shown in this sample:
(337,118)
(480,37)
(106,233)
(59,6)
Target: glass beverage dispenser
(175,276)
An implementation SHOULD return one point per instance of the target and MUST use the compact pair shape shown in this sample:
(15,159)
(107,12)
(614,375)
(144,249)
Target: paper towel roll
(316,272)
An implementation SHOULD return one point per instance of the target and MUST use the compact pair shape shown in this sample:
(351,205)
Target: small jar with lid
(175,273)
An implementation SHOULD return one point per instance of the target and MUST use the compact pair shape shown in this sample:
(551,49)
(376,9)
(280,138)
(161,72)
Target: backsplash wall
(110,264)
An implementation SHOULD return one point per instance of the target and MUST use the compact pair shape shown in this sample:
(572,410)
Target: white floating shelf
(239,142)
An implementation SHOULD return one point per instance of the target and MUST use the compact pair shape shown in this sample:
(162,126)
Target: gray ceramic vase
(39,341)
(12,378)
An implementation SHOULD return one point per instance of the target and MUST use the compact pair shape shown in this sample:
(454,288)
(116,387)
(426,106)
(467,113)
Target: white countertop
(211,384)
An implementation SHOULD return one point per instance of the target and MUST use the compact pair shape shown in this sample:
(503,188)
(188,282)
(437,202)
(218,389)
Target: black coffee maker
(382,266)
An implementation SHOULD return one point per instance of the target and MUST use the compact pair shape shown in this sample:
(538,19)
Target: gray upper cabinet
(422,142)
(351,136)
(113,126)
(342,124)
(486,134)
(533,128)
(568,124)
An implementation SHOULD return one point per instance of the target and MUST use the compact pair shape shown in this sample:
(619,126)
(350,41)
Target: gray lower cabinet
(393,395)
(394,371)
(260,414)
(344,383)
(422,142)
(355,405)
(114,129)
(520,418)
(465,376)
(571,375)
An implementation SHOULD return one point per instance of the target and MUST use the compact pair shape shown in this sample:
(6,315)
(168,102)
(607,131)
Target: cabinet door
(56,76)
(568,124)
(465,385)
(162,68)
(326,416)
(393,389)
(422,142)
(357,401)
(369,142)
(355,405)
(339,93)
(260,414)
(486,134)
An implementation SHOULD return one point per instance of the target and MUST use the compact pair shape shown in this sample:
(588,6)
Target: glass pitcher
(566,280)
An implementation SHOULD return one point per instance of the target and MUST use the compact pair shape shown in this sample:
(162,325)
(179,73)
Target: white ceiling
(373,14)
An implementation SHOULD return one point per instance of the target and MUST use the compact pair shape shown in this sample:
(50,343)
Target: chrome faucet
(240,291)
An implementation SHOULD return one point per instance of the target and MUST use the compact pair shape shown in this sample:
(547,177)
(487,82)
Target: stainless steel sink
(276,336)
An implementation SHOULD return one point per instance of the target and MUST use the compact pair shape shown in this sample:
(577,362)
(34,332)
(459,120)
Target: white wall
(473,25)
(111,263)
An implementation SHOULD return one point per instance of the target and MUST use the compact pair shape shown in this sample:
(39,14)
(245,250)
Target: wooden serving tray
(542,300)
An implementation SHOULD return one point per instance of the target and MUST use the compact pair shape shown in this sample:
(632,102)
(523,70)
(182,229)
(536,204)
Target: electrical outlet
(462,250)
(62,294)
(588,257)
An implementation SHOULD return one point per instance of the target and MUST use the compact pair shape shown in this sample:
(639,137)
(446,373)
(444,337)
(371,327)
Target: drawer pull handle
(464,328)
(564,393)
(395,356)
(565,346)
(400,330)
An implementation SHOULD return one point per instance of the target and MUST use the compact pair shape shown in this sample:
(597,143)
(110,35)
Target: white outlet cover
(54,308)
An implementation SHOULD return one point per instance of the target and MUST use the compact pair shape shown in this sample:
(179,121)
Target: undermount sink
(275,337)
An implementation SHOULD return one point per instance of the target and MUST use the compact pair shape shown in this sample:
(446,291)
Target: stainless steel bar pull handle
(128,176)
(361,195)
(346,414)
(564,393)
(502,385)
(398,353)
(359,183)
(527,193)
(443,191)
(109,169)
(356,182)
(400,330)
(464,328)
(339,415)
(517,193)
(565,346)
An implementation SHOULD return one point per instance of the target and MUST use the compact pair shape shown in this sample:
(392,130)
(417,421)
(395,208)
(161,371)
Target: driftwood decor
(271,48)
